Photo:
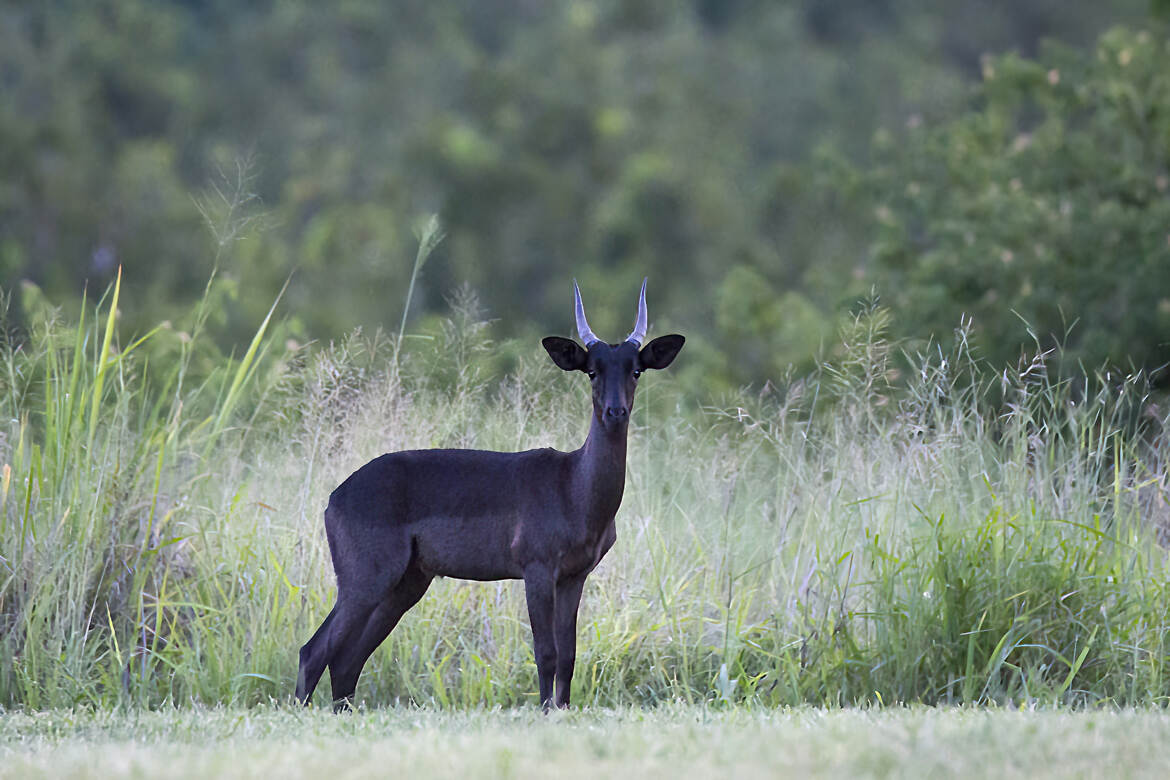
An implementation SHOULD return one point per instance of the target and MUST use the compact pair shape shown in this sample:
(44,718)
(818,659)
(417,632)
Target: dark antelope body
(543,516)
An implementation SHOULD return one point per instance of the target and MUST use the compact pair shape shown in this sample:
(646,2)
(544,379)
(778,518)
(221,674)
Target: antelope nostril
(616,411)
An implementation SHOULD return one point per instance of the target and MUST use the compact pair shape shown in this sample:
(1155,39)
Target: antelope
(542,516)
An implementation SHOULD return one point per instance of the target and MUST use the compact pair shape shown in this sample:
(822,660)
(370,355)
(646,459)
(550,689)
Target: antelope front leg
(539,589)
(567,601)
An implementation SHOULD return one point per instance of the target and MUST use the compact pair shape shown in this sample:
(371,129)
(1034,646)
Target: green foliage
(598,139)
(763,328)
(1048,201)
(966,538)
(99,457)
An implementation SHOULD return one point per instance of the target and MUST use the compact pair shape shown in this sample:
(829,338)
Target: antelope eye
(637,373)
(592,374)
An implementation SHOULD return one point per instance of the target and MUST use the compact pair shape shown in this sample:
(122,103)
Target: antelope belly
(469,549)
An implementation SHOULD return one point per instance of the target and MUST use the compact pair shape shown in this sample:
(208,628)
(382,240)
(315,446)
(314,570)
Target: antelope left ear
(661,352)
(566,353)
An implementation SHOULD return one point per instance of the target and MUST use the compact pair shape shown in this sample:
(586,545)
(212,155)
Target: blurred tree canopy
(1047,202)
(764,163)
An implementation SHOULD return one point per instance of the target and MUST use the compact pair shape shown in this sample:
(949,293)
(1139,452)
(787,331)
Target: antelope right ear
(566,353)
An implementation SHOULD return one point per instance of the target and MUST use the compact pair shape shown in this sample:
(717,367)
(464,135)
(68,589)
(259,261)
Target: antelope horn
(583,330)
(638,334)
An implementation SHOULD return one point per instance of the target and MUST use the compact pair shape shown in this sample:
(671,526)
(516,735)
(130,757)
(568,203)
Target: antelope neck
(601,470)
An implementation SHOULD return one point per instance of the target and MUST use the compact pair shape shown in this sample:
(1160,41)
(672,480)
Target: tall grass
(948,535)
(105,470)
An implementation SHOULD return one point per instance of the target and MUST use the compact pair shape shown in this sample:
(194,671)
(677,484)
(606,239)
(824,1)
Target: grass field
(927,530)
(668,742)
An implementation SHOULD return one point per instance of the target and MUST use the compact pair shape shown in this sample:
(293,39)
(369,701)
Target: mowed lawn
(670,742)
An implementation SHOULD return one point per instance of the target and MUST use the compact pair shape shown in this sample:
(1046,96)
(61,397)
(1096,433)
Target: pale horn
(638,334)
(583,330)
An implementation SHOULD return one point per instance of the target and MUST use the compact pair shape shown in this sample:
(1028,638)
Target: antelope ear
(661,352)
(566,353)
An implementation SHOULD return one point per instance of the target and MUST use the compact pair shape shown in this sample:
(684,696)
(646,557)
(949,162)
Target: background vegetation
(766,164)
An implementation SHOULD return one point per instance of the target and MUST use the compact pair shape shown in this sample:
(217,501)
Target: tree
(1048,201)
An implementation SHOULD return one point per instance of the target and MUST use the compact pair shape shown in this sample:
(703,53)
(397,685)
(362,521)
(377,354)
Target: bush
(1048,202)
